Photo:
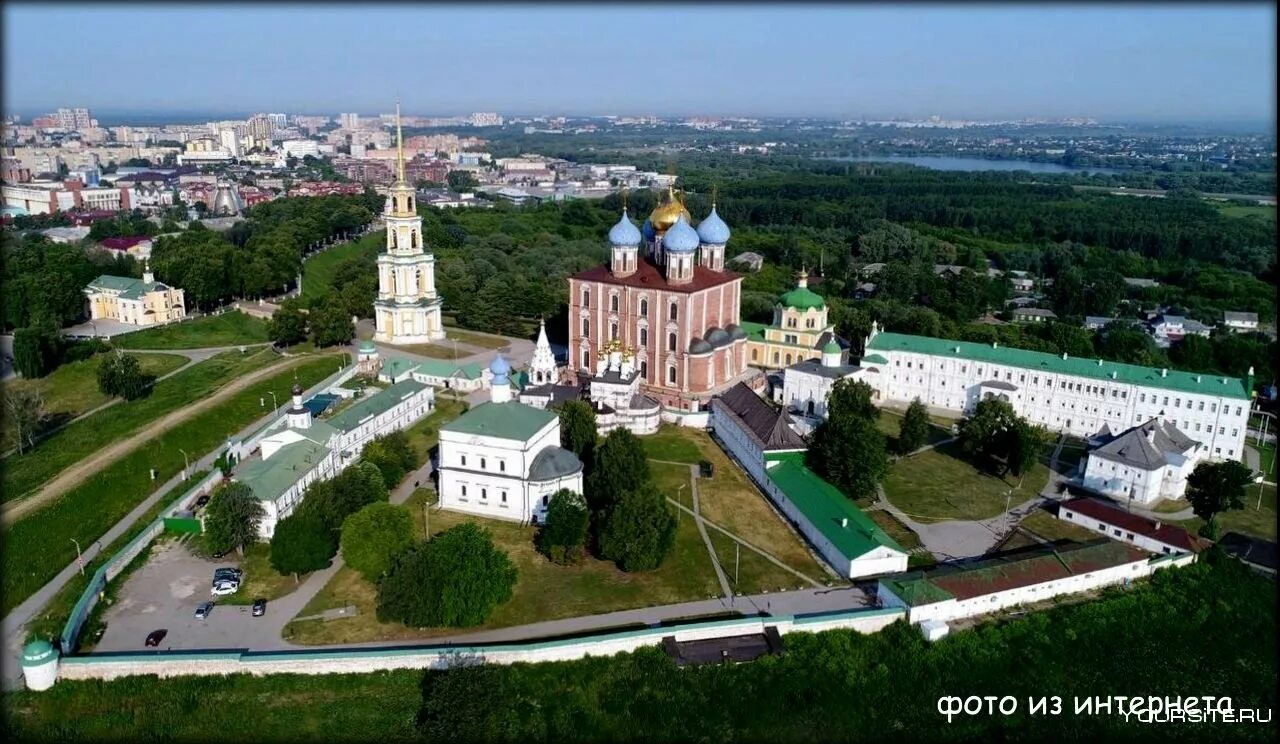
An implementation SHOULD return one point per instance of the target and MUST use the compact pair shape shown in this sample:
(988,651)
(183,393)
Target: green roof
(442,368)
(510,420)
(396,366)
(831,348)
(271,477)
(380,402)
(915,590)
(875,359)
(1132,374)
(803,298)
(825,506)
(122,283)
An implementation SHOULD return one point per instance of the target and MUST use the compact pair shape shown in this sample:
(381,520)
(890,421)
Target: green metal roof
(396,366)
(825,506)
(831,348)
(875,359)
(510,420)
(271,477)
(754,331)
(380,402)
(803,298)
(107,281)
(442,368)
(915,590)
(1132,374)
(367,347)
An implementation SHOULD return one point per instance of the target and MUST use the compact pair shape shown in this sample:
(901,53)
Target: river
(948,163)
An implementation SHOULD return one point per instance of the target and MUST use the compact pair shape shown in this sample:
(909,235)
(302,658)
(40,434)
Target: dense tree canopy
(232,517)
(621,466)
(639,529)
(456,578)
(301,543)
(563,536)
(1215,487)
(374,536)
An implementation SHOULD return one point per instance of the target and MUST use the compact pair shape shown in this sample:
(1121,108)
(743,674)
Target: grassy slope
(39,545)
(317,272)
(939,485)
(228,329)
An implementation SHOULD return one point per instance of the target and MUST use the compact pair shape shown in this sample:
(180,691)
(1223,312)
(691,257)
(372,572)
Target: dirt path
(74,475)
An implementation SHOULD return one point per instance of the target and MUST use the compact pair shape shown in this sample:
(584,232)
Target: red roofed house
(138,245)
(1121,525)
(668,301)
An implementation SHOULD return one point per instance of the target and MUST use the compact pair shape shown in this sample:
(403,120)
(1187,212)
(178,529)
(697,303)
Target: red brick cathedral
(668,301)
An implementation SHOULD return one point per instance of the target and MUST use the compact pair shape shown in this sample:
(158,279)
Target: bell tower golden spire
(399,147)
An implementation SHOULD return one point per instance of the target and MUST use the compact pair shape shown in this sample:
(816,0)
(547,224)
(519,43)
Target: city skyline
(1144,63)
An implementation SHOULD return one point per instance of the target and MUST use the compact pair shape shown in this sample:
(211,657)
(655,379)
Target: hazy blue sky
(1146,62)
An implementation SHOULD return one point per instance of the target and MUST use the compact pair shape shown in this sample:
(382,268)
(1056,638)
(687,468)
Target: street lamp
(79,557)
(679,491)
(274,402)
(186,463)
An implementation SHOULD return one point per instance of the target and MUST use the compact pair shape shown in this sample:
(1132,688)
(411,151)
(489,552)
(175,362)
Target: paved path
(759,551)
(725,589)
(83,469)
(15,622)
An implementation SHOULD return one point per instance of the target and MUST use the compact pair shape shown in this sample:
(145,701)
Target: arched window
(755,353)
(671,341)
(675,311)
(413,239)
(586,358)
(586,298)
(644,308)
(613,303)
(644,370)
(613,331)
(775,357)
(586,327)
(788,360)
(644,337)
(671,375)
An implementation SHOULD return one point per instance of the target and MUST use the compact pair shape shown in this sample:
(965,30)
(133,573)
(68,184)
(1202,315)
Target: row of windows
(484,495)
(484,465)
(673,314)
(808,323)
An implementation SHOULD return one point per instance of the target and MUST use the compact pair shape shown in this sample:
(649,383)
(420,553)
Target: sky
(1146,62)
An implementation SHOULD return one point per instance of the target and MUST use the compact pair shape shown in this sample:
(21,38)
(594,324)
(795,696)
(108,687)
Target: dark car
(227,574)
(259,607)
(705,469)
(202,500)
(155,636)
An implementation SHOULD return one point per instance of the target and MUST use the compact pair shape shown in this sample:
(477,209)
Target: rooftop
(1144,446)
(270,478)
(648,276)
(1166,533)
(849,529)
(1188,382)
(443,368)
(380,402)
(769,426)
(509,420)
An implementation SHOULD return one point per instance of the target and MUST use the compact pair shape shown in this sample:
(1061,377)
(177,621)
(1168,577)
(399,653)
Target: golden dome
(666,213)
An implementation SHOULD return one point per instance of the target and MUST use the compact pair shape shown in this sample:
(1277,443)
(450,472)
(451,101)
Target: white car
(223,588)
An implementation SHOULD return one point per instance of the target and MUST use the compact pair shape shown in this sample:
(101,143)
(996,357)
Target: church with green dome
(799,331)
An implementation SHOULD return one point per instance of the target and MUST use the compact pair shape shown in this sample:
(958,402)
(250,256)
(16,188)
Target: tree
(456,579)
(639,530)
(121,375)
(35,351)
(563,537)
(852,398)
(621,465)
(288,325)
(1027,441)
(374,536)
(231,521)
(330,323)
(25,408)
(915,428)
(301,543)
(578,430)
(848,448)
(461,180)
(1215,487)
(392,454)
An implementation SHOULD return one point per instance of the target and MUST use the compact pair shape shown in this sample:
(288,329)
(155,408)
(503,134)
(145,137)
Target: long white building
(1063,394)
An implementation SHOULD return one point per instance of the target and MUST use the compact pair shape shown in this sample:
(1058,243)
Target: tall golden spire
(399,147)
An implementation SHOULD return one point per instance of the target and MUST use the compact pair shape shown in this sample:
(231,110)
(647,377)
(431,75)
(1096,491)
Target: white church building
(503,458)
(407,309)
(1143,464)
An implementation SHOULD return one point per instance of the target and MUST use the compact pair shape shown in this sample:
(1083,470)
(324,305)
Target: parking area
(164,594)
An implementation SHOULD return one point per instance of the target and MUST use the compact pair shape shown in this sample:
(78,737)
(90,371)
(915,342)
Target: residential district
(657,348)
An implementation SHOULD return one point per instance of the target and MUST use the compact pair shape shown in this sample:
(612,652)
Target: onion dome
(367,347)
(831,348)
(500,368)
(803,298)
(735,331)
(647,230)
(669,212)
(713,230)
(699,346)
(297,388)
(718,337)
(624,233)
(681,238)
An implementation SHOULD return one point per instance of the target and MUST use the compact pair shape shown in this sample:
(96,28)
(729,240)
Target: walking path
(74,475)
(759,551)
(725,590)
(14,623)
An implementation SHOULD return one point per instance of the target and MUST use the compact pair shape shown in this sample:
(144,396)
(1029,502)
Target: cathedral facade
(667,302)
(407,310)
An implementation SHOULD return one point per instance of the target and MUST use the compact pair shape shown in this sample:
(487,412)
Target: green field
(1211,626)
(940,484)
(29,471)
(37,546)
(229,329)
(72,389)
(481,340)
(671,443)
(424,434)
(544,591)
(317,271)
(1242,211)
(1047,525)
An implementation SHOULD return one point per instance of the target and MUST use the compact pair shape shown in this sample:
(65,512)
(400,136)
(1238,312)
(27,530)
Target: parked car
(705,469)
(259,607)
(223,588)
(227,574)
(203,610)
(155,636)
(202,500)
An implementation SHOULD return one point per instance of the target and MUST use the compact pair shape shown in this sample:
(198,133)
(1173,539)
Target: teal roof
(875,359)
(319,432)
(510,420)
(270,478)
(380,402)
(831,348)
(825,506)
(129,288)
(803,298)
(367,347)
(37,652)
(396,366)
(442,368)
(915,590)
(1132,374)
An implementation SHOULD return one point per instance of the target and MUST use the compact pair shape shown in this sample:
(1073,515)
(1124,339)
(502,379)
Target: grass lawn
(72,389)
(672,443)
(1266,458)
(544,591)
(424,434)
(37,546)
(260,579)
(890,424)
(35,467)
(1250,520)
(228,329)
(1168,506)
(1047,525)
(439,350)
(1254,210)
(484,341)
(754,574)
(901,533)
(669,479)
(318,271)
(940,484)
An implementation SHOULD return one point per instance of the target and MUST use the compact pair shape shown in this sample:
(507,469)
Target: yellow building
(799,330)
(140,302)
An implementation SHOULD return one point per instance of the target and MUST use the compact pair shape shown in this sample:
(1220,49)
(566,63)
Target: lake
(948,163)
